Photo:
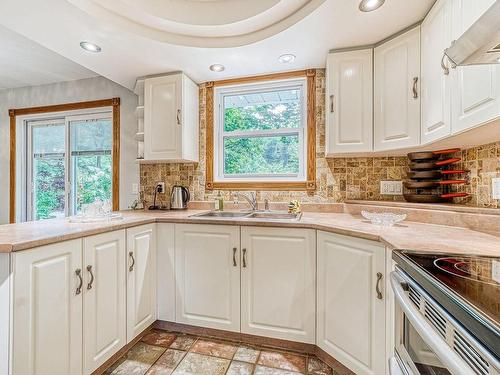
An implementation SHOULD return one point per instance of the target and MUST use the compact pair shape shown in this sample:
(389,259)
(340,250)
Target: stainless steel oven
(428,340)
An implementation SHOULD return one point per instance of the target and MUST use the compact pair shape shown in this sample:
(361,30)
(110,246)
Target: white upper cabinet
(351,302)
(207,267)
(141,279)
(278,283)
(476,89)
(349,102)
(436,85)
(397,93)
(104,304)
(171,119)
(47,310)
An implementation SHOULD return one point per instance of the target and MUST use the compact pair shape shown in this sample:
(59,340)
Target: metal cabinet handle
(244,258)
(131,268)
(446,70)
(89,285)
(415,89)
(377,287)
(234,257)
(178,117)
(78,273)
(332,103)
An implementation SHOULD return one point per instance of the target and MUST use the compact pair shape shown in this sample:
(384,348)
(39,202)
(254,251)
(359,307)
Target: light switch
(495,270)
(391,187)
(495,188)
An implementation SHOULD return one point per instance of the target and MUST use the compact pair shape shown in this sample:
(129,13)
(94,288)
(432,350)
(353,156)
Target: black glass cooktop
(468,287)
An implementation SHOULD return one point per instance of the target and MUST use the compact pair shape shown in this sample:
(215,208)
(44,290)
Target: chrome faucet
(252,200)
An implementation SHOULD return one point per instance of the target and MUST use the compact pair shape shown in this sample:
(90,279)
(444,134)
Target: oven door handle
(446,355)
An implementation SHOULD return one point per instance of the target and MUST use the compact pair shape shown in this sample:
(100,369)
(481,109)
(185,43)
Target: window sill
(256,185)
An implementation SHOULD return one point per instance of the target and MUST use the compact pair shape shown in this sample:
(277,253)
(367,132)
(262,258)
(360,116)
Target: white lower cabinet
(104,303)
(207,267)
(141,279)
(77,303)
(47,310)
(165,275)
(350,314)
(278,283)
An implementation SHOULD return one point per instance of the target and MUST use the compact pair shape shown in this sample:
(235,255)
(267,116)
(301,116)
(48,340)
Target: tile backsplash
(337,179)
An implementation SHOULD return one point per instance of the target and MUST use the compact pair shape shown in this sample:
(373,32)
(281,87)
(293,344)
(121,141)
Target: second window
(260,132)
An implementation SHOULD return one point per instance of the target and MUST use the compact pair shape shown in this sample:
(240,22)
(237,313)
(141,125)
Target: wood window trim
(310,184)
(13,113)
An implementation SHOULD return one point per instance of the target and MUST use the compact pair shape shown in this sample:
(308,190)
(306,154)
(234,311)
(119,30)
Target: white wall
(68,92)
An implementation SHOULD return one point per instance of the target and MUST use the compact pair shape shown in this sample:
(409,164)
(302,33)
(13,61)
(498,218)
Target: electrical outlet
(495,188)
(160,186)
(391,187)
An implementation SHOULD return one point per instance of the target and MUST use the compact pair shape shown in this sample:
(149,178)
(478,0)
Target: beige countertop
(406,235)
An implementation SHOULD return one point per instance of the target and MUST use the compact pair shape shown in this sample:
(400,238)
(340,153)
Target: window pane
(91,135)
(92,176)
(48,171)
(262,111)
(48,138)
(261,155)
(48,188)
(91,142)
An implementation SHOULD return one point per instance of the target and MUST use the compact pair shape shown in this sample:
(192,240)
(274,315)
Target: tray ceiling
(201,23)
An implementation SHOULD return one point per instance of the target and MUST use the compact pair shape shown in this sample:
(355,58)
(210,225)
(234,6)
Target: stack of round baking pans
(428,180)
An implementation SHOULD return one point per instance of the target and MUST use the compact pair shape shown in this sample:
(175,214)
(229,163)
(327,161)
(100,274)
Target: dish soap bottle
(219,202)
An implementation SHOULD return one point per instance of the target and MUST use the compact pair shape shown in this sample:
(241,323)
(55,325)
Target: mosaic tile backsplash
(338,179)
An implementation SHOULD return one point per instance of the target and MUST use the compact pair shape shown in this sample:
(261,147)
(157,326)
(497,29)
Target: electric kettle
(179,198)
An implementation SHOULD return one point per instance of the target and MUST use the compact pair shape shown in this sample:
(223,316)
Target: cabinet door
(165,280)
(396,92)
(162,118)
(278,283)
(349,102)
(104,304)
(350,316)
(47,324)
(190,120)
(5,298)
(476,88)
(141,279)
(207,266)
(435,88)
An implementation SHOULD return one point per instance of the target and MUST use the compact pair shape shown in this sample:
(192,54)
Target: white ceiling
(201,23)
(26,63)
(60,26)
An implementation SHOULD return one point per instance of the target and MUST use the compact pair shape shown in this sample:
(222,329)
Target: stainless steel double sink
(262,215)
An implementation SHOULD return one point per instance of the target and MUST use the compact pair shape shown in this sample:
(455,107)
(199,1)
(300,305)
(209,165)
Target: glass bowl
(384,219)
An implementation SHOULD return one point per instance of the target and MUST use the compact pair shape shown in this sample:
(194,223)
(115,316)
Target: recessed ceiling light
(369,5)
(286,58)
(91,47)
(498,60)
(217,67)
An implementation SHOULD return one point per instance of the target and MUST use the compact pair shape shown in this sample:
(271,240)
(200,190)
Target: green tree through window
(262,133)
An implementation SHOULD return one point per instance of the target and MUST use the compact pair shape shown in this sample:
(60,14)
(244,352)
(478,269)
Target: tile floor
(165,353)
